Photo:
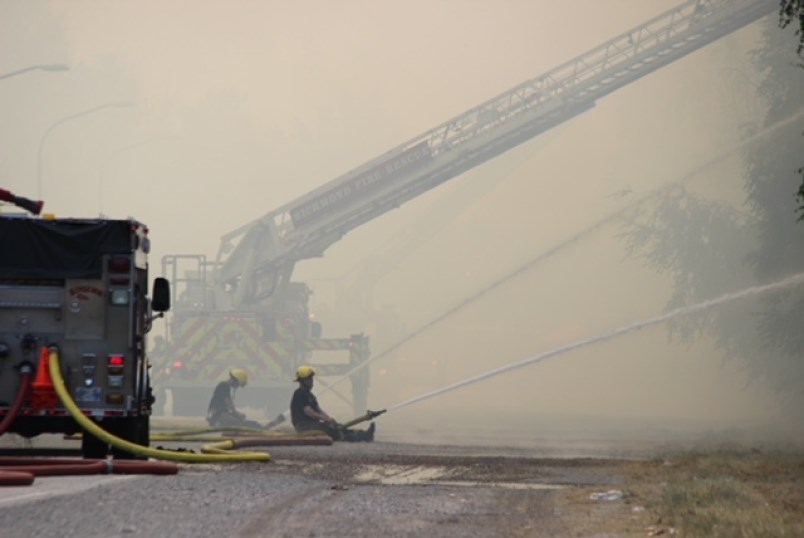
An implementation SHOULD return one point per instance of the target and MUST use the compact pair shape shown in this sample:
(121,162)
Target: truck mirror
(160,298)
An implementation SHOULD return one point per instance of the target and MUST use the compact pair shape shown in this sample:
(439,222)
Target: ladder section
(307,226)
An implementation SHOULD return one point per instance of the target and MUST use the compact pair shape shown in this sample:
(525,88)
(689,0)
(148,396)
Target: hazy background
(235,108)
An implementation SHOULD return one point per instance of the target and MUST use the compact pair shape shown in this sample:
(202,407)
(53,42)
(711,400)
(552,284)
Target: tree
(709,248)
(790,11)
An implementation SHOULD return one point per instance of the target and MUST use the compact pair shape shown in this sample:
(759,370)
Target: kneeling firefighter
(222,411)
(307,415)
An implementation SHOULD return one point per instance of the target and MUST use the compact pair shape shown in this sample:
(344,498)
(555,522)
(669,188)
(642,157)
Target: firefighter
(222,411)
(307,415)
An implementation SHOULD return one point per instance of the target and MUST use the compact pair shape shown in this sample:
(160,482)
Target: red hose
(13,478)
(75,468)
(21,471)
(22,395)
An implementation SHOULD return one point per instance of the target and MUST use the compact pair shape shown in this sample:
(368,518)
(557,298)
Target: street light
(123,104)
(45,67)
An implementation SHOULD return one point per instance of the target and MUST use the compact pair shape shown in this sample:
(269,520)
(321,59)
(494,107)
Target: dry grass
(728,494)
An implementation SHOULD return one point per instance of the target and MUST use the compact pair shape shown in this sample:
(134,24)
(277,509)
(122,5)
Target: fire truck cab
(79,286)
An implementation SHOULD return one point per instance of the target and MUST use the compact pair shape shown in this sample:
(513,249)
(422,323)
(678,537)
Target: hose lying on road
(256,437)
(238,440)
(21,471)
(230,444)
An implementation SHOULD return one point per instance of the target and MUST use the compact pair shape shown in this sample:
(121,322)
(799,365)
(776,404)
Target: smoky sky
(211,114)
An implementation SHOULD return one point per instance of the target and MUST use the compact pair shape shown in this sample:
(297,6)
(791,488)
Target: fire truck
(269,339)
(243,309)
(78,288)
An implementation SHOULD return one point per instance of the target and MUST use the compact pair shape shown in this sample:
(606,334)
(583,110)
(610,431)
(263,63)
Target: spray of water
(576,238)
(638,326)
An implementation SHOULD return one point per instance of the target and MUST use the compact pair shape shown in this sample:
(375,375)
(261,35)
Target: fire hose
(342,426)
(21,471)
(89,426)
(363,418)
(33,206)
(26,369)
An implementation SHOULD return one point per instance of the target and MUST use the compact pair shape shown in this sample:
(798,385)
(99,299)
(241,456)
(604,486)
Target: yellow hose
(234,433)
(200,431)
(219,455)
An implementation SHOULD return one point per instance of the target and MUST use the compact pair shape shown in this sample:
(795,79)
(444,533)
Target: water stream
(574,239)
(579,236)
(614,333)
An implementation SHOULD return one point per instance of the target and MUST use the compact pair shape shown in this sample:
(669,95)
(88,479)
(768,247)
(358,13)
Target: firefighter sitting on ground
(307,415)
(222,411)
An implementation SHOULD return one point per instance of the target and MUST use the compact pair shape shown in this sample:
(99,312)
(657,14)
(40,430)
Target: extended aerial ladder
(257,259)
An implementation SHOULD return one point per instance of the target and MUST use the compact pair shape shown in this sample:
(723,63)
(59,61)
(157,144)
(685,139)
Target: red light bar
(116,360)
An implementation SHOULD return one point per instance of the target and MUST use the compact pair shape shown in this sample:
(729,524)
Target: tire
(133,429)
(92,447)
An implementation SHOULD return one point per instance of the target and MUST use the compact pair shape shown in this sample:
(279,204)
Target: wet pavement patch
(409,475)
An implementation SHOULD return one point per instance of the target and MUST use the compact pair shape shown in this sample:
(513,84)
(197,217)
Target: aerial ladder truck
(242,308)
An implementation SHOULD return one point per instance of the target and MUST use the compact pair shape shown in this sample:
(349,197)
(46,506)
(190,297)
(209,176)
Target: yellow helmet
(240,375)
(304,372)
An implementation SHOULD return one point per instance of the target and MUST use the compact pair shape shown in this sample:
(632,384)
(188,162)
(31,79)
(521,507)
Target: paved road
(407,483)
(348,489)
(391,495)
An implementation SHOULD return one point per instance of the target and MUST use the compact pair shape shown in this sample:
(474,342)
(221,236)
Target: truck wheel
(92,447)
(133,429)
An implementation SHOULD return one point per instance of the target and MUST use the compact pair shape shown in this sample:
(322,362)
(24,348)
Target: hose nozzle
(280,418)
(368,416)
(33,206)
